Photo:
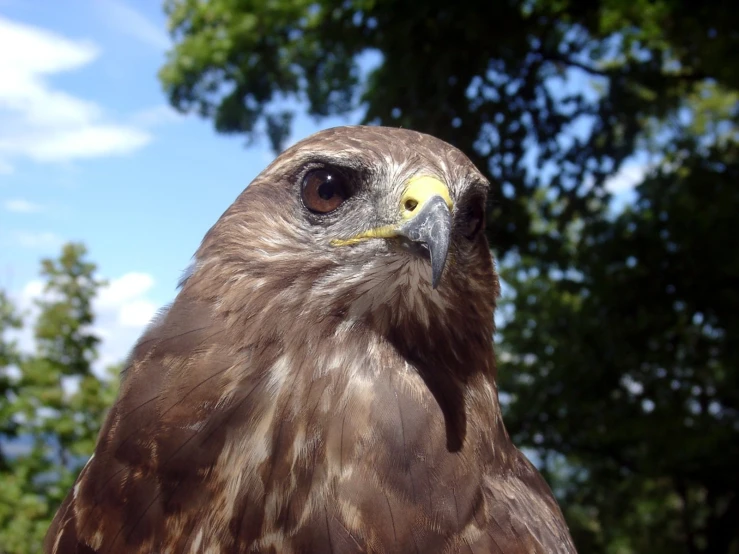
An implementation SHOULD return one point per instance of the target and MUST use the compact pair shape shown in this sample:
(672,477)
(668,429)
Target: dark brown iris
(324,190)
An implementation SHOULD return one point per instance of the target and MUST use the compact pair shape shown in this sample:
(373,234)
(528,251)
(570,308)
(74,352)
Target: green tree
(17,506)
(627,365)
(9,359)
(57,405)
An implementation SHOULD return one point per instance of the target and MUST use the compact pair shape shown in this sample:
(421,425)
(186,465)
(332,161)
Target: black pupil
(327,189)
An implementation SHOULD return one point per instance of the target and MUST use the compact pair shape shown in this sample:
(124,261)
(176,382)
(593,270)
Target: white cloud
(137,314)
(127,20)
(19,205)
(125,289)
(40,239)
(42,123)
(32,290)
(629,176)
(122,311)
(5,167)
(25,305)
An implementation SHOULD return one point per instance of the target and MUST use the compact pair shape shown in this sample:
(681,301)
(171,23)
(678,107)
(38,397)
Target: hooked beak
(425,208)
(431,226)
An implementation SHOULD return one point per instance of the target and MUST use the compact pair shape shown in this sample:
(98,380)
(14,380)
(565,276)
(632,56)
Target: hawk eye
(471,219)
(324,190)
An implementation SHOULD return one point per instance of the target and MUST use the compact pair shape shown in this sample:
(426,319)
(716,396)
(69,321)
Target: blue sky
(91,152)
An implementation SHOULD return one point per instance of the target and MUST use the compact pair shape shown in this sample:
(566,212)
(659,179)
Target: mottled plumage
(302,395)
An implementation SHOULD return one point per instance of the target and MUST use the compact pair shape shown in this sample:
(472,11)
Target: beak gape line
(425,209)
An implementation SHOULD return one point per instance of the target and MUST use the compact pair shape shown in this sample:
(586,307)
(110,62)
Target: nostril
(411,204)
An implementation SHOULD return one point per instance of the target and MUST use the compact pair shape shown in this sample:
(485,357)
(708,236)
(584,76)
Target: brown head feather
(299,397)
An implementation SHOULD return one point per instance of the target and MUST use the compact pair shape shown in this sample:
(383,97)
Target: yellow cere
(417,192)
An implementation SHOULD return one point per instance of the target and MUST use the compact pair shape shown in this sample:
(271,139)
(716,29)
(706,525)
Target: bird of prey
(324,380)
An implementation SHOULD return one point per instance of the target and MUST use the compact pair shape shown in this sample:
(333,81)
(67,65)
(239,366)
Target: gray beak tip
(436,275)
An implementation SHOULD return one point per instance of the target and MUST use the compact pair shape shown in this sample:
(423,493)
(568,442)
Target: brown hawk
(325,379)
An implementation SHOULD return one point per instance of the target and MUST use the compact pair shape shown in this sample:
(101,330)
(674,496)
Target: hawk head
(370,224)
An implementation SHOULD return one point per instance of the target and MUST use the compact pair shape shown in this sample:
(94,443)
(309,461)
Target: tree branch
(557,58)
